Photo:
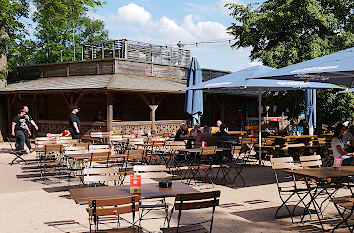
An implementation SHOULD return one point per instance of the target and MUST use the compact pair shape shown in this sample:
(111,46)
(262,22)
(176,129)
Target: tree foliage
(61,26)
(284,32)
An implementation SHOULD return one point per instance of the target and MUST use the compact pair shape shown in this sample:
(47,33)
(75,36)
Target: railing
(136,51)
(124,127)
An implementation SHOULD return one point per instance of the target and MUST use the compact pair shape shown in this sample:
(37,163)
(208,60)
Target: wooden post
(35,113)
(109,112)
(153,116)
(9,114)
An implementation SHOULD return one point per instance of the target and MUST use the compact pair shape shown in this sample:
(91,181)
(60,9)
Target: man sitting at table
(222,132)
(182,133)
(291,129)
(195,131)
(337,146)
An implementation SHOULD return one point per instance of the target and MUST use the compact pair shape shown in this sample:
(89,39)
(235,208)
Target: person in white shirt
(337,146)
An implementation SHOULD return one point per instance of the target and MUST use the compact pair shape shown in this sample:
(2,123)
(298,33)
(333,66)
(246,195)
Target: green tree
(11,11)
(284,32)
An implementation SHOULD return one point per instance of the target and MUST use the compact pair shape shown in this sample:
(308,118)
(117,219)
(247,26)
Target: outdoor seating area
(304,191)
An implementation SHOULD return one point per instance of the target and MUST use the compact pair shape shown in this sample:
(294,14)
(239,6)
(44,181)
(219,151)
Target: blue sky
(166,22)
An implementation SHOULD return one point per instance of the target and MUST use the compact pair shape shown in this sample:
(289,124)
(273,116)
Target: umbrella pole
(260,126)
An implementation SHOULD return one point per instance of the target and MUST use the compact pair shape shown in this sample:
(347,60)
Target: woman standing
(337,146)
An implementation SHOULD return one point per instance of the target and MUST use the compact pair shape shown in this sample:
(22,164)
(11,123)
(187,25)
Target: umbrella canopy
(194,98)
(337,68)
(347,91)
(245,79)
(310,111)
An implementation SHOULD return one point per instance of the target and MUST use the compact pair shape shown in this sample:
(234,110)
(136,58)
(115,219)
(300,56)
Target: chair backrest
(210,150)
(194,201)
(53,148)
(134,141)
(98,147)
(116,138)
(236,150)
(99,157)
(282,163)
(96,134)
(92,175)
(150,171)
(134,154)
(114,206)
(311,161)
(178,145)
(82,144)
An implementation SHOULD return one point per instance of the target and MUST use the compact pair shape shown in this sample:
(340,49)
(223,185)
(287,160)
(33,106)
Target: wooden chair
(98,147)
(98,209)
(151,171)
(50,159)
(102,175)
(311,161)
(287,184)
(193,201)
(99,159)
(204,163)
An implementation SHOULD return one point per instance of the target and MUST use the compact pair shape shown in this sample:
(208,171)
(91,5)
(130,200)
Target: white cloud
(191,29)
(255,63)
(133,13)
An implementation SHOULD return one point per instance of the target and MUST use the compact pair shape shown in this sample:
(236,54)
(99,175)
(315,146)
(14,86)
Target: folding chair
(50,159)
(100,208)
(100,176)
(345,208)
(287,184)
(235,166)
(99,159)
(152,172)
(193,201)
(18,154)
(204,163)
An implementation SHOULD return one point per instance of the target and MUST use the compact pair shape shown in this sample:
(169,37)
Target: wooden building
(134,95)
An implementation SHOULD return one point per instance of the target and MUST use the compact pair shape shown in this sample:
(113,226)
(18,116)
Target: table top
(88,155)
(324,172)
(236,132)
(296,137)
(152,190)
(197,150)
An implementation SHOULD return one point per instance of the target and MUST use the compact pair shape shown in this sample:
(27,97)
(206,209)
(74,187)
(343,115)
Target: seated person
(337,146)
(195,131)
(182,133)
(291,129)
(222,132)
(207,137)
(300,127)
(349,137)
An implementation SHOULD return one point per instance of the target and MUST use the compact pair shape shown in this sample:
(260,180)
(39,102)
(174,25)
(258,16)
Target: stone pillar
(153,116)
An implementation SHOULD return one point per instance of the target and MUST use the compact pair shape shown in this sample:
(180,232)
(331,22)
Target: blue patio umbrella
(246,80)
(337,68)
(310,111)
(194,98)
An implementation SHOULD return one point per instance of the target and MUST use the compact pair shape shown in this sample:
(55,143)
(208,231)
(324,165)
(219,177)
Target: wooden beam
(9,114)
(13,100)
(109,112)
(67,101)
(146,101)
(79,98)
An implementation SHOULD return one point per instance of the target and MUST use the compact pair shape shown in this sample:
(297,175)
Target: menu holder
(135,184)
(337,163)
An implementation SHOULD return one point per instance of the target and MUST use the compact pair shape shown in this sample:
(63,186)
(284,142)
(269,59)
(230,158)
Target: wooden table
(236,132)
(324,172)
(88,155)
(198,150)
(152,190)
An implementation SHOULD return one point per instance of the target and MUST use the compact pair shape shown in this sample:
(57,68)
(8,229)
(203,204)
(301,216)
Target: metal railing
(136,51)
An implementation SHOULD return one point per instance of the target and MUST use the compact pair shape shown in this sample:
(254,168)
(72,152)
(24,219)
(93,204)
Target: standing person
(337,146)
(18,130)
(239,119)
(30,122)
(74,123)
